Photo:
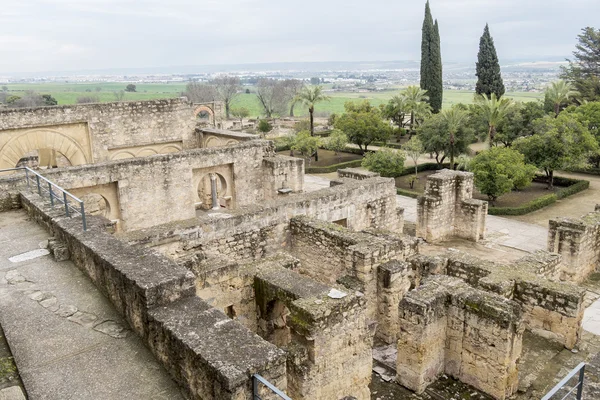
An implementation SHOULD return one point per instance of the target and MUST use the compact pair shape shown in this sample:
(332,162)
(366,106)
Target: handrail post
(27,176)
(83,217)
(66,203)
(580,388)
(50,192)
(37,178)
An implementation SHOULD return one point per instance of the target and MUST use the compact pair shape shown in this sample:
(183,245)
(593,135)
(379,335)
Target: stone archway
(37,139)
(204,108)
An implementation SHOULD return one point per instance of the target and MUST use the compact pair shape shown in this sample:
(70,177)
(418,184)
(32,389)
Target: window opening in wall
(342,222)
(230,311)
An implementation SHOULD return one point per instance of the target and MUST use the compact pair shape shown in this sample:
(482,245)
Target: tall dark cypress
(427,34)
(436,90)
(489,79)
(431,61)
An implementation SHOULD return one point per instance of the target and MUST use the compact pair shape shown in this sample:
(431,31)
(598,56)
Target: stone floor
(67,340)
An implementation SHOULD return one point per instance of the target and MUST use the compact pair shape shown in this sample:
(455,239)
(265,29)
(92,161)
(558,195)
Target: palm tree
(309,97)
(416,100)
(559,93)
(494,110)
(454,118)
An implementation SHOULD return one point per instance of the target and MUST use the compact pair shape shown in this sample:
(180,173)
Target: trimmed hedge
(390,145)
(591,171)
(332,168)
(408,193)
(570,187)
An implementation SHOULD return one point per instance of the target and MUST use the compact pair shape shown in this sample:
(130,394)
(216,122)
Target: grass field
(67,93)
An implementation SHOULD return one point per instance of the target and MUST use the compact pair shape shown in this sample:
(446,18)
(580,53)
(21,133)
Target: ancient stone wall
(109,127)
(165,188)
(578,242)
(447,327)
(324,330)
(210,137)
(551,309)
(156,297)
(330,253)
(447,209)
(356,173)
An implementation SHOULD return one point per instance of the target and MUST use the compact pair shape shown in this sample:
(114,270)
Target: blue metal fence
(554,393)
(55,193)
(257,380)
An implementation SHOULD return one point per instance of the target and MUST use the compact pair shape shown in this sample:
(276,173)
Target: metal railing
(257,379)
(55,193)
(561,385)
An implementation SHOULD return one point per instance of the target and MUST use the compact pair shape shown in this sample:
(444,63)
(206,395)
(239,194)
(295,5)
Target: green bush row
(423,167)
(579,186)
(533,205)
(332,168)
(591,170)
(408,193)
(390,145)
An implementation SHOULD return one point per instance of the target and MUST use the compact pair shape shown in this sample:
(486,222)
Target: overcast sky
(48,35)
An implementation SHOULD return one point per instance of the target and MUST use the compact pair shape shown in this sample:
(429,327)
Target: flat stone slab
(67,340)
(30,255)
(12,393)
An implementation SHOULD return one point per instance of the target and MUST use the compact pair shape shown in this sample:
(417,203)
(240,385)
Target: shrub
(499,170)
(386,162)
(264,126)
(336,142)
(307,145)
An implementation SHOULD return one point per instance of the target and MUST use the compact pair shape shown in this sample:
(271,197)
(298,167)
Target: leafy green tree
(307,145)
(386,162)
(589,115)
(241,113)
(415,100)
(310,97)
(454,118)
(584,71)
(130,88)
(493,110)
(302,125)
(431,61)
(264,126)
(395,110)
(499,170)
(489,78)
(49,100)
(336,142)
(363,124)
(413,149)
(559,93)
(558,143)
(518,121)
(435,136)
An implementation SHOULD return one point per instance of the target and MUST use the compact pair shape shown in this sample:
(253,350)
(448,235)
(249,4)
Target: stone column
(213,192)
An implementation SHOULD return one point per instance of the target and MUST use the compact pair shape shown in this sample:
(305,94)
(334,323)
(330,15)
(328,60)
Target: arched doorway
(43,141)
(213,182)
(205,113)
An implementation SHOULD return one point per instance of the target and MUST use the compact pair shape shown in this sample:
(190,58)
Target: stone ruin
(244,272)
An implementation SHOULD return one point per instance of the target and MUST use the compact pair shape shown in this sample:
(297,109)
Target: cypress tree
(431,61)
(436,90)
(427,33)
(489,79)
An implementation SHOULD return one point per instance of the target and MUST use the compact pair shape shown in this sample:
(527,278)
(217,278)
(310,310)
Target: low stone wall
(356,173)
(578,242)
(448,327)
(551,309)
(208,354)
(328,339)
(447,209)
(330,253)
(210,137)
(169,185)
(9,192)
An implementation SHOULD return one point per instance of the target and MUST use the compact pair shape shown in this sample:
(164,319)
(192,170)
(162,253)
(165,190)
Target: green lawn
(67,93)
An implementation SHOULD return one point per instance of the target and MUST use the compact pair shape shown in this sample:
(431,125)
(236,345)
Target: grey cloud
(41,35)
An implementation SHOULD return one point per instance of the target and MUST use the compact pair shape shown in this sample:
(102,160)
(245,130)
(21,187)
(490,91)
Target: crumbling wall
(447,209)
(550,309)
(160,189)
(448,327)
(113,125)
(330,253)
(327,335)
(210,137)
(209,355)
(282,175)
(578,242)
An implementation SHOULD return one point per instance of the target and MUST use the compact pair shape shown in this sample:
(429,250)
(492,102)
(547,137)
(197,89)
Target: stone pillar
(213,192)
